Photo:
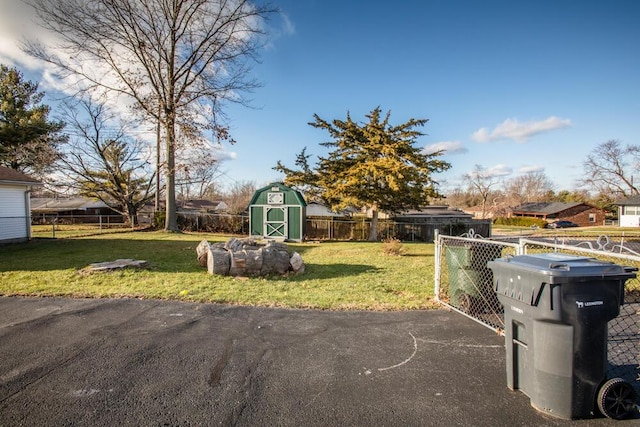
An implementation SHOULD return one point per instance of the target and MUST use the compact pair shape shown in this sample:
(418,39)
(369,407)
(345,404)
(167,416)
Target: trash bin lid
(563,267)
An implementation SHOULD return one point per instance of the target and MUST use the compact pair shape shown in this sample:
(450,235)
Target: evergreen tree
(28,140)
(374,165)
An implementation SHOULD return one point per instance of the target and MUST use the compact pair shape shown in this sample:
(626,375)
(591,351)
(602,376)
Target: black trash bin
(470,284)
(556,309)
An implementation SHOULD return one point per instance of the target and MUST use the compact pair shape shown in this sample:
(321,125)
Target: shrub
(159,218)
(521,221)
(392,246)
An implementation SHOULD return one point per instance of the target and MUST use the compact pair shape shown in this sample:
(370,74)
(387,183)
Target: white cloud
(500,170)
(288,28)
(496,171)
(531,169)
(15,17)
(224,155)
(448,147)
(520,131)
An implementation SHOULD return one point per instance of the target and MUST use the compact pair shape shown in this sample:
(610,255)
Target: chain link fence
(423,230)
(465,284)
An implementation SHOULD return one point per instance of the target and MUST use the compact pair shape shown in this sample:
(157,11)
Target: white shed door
(13,221)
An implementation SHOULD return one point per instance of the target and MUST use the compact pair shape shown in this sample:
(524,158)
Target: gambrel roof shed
(277,212)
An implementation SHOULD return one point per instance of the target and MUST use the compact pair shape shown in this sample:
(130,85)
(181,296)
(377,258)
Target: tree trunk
(132,214)
(373,233)
(202,250)
(171,219)
(244,257)
(218,261)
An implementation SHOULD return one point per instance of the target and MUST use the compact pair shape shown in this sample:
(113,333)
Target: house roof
(201,205)
(433,211)
(318,209)
(630,201)
(47,204)
(8,175)
(547,208)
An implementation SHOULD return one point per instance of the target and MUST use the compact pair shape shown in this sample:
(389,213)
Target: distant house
(15,207)
(416,224)
(189,207)
(73,210)
(488,212)
(446,220)
(438,213)
(582,214)
(201,206)
(318,210)
(629,212)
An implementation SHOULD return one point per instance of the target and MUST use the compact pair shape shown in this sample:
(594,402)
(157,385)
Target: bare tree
(530,187)
(239,195)
(176,59)
(480,183)
(461,198)
(610,169)
(197,171)
(103,162)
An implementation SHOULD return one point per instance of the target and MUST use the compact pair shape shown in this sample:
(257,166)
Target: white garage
(15,209)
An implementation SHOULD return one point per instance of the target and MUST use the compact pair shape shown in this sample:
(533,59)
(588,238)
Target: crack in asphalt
(249,387)
(216,372)
(23,382)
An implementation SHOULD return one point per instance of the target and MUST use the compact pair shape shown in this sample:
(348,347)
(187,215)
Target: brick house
(582,214)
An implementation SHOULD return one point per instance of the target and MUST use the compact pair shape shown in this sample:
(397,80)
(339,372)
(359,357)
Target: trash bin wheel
(616,399)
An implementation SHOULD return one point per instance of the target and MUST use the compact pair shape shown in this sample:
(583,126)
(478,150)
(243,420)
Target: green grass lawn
(339,275)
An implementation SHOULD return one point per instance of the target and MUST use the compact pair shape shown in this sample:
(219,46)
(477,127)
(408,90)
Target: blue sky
(513,86)
(570,67)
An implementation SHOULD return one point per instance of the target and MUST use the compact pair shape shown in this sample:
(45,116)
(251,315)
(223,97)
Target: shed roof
(279,186)
(8,175)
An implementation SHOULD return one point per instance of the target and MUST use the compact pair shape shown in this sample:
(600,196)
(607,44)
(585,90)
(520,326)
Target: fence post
(436,284)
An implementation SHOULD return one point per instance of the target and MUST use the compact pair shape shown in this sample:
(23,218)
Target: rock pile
(247,257)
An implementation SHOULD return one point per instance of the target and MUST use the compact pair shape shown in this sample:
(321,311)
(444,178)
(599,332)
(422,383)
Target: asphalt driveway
(156,363)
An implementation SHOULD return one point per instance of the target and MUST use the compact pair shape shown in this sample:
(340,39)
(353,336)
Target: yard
(338,276)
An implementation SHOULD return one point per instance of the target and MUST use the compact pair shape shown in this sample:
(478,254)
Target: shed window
(592,217)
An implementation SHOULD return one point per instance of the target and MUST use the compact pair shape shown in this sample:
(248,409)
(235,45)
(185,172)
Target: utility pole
(157,201)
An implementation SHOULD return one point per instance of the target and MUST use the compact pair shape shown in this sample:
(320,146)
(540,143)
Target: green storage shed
(277,212)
